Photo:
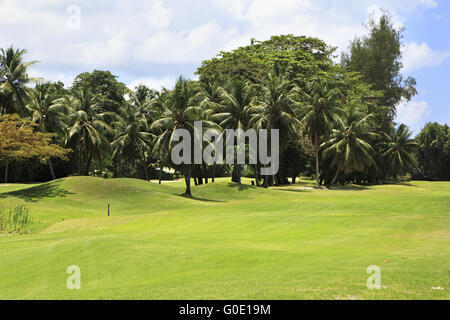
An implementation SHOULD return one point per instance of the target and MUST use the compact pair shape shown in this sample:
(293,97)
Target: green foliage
(298,55)
(13,80)
(434,152)
(400,151)
(378,58)
(14,219)
(110,92)
(289,83)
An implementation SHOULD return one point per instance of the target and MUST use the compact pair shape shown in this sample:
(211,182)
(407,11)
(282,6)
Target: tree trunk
(205,173)
(160,173)
(336,176)
(199,175)
(88,165)
(31,173)
(187,179)
(236,174)
(256,175)
(52,172)
(214,173)
(117,170)
(80,164)
(145,170)
(316,151)
(6,171)
(293,179)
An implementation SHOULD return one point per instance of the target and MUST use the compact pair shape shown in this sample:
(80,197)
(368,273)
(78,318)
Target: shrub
(14,219)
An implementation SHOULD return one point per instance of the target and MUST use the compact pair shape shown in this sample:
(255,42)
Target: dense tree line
(335,119)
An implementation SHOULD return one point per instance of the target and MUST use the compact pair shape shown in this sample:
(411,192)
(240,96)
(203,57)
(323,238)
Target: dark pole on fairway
(108,209)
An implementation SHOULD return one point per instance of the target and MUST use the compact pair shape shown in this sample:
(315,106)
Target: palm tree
(141,100)
(399,151)
(274,109)
(212,99)
(348,146)
(88,129)
(50,117)
(232,111)
(181,108)
(132,140)
(320,108)
(13,79)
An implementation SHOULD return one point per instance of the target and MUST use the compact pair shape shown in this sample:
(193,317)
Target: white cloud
(416,56)
(117,34)
(429,3)
(185,46)
(413,112)
(154,83)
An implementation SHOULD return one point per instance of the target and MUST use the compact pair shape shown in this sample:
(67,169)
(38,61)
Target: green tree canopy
(298,55)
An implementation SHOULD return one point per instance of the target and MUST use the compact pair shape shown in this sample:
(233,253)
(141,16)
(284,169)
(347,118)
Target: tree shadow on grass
(350,188)
(34,194)
(240,187)
(199,199)
(300,190)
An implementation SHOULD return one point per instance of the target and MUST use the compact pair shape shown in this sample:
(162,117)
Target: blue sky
(155,41)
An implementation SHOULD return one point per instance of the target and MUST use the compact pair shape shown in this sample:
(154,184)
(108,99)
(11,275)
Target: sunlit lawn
(229,242)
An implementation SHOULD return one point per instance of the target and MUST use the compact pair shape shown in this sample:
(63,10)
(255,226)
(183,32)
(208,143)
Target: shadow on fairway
(199,199)
(240,187)
(295,190)
(350,188)
(34,194)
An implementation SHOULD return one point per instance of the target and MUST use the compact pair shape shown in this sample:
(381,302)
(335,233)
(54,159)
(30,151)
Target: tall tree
(400,151)
(377,57)
(109,91)
(50,117)
(232,112)
(349,146)
(19,141)
(13,80)
(320,109)
(87,131)
(275,109)
(434,152)
(132,141)
(181,108)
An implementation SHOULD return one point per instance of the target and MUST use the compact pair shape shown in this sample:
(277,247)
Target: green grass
(230,242)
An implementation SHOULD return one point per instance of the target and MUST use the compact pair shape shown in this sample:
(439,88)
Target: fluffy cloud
(412,113)
(417,56)
(429,3)
(154,83)
(135,36)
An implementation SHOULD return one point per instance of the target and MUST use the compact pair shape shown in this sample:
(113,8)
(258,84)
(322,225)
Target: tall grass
(14,219)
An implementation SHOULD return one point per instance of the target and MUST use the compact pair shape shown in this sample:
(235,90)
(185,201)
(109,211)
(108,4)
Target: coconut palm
(275,108)
(88,130)
(132,141)
(141,100)
(349,146)
(181,108)
(320,109)
(399,151)
(13,79)
(232,111)
(212,98)
(50,117)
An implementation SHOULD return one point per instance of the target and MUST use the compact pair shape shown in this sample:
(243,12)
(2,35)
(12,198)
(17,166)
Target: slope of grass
(229,242)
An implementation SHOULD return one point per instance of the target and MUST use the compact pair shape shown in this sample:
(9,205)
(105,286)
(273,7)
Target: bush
(14,219)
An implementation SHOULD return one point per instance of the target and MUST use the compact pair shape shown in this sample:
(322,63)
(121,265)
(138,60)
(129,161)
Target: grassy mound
(229,241)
